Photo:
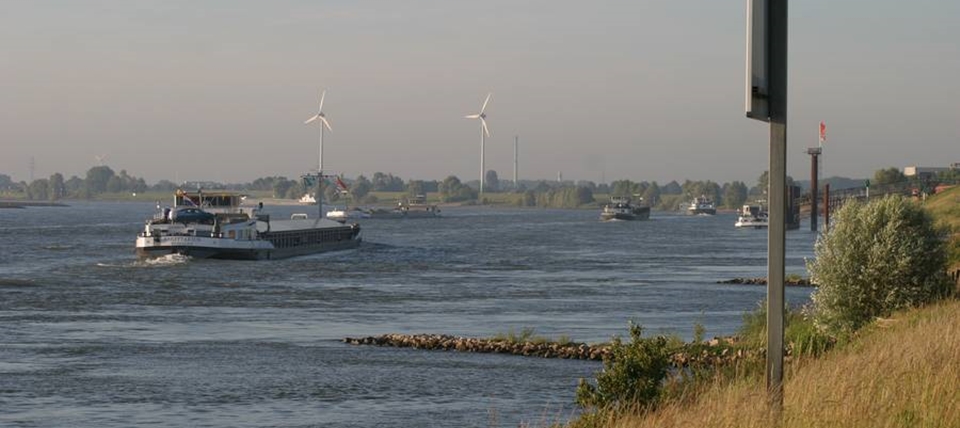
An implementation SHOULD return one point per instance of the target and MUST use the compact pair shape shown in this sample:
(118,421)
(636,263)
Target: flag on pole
(823,132)
(343,186)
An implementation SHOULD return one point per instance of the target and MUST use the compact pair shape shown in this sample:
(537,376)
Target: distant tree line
(99,179)
(531,193)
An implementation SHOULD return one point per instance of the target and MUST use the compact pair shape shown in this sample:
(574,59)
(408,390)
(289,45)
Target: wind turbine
(484,132)
(100,159)
(323,123)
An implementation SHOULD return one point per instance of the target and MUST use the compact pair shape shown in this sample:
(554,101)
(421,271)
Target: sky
(605,90)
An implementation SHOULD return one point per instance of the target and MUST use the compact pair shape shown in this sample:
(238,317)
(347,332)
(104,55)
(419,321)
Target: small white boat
(752,216)
(307,199)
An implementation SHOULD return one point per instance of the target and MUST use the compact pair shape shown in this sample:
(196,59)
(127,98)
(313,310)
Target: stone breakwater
(802,282)
(718,351)
(440,342)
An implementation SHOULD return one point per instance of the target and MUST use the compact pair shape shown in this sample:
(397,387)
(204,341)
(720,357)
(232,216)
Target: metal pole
(482,168)
(814,187)
(516,151)
(777,67)
(320,158)
(320,175)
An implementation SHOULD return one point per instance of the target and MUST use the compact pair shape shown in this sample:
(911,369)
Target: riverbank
(900,371)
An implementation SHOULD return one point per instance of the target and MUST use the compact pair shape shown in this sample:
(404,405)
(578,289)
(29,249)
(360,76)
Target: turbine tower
(484,132)
(323,123)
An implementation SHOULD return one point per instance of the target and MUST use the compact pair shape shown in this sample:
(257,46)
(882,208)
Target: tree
(297,188)
(875,259)
(734,194)
(361,187)
(888,176)
(693,189)
(452,190)
(490,182)
(5,182)
(97,179)
(652,195)
(280,187)
(169,186)
(56,187)
(387,182)
(672,188)
(75,187)
(114,184)
(762,183)
(625,188)
(37,190)
(415,187)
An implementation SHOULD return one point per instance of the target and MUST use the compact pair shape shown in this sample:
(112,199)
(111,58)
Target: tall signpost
(767,101)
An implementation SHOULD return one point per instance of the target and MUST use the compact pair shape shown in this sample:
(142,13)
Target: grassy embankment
(902,371)
(945,207)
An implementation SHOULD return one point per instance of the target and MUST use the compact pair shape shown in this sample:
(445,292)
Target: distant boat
(621,208)
(752,216)
(307,199)
(701,206)
(342,215)
(414,207)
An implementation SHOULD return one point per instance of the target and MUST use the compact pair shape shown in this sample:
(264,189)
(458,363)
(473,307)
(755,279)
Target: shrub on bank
(876,258)
(633,375)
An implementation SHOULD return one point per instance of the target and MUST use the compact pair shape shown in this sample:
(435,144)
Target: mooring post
(814,153)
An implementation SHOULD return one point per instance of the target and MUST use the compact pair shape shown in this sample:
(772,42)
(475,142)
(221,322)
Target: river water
(93,337)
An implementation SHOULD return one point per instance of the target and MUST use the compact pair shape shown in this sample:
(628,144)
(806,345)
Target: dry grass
(902,372)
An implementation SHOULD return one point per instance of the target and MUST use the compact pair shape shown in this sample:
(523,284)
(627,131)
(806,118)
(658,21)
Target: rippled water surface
(93,337)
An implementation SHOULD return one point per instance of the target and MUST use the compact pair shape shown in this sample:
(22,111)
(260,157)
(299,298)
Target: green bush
(801,335)
(876,258)
(633,375)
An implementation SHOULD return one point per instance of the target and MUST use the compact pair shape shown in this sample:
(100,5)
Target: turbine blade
(485,102)
(315,117)
(322,96)
(472,116)
(326,123)
(484,124)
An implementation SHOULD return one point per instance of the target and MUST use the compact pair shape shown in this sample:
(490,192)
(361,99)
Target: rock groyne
(441,342)
(802,282)
(716,352)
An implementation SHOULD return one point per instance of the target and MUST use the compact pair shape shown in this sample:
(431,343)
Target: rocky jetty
(802,282)
(718,351)
(441,342)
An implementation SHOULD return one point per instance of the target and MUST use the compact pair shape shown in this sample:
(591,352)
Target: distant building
(925,172)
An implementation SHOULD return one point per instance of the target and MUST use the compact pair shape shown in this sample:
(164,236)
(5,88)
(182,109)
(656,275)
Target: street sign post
(767,101)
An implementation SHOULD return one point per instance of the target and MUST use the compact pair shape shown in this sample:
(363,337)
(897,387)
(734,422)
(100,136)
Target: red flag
(343,187)
(823,132)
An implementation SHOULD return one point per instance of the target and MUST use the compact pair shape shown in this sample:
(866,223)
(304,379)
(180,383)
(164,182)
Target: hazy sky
(645,90)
